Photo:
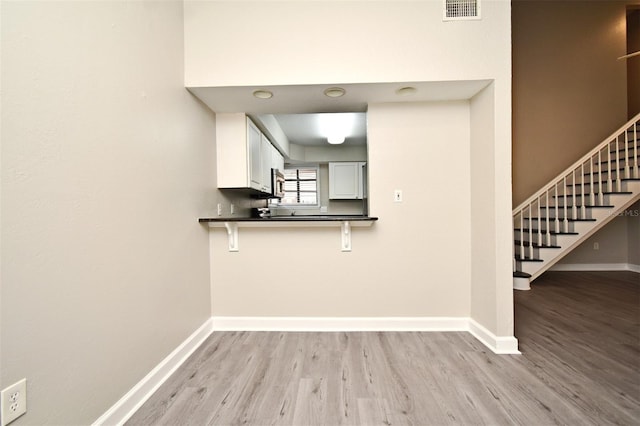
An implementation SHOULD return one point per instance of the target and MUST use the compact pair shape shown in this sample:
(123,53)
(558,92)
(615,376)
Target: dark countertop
(296,218)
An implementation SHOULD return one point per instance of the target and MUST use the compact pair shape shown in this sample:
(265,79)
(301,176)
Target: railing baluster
(539,239)
(574,207)
(530,235)
(555,203)
(593,189)
(635,149)
(600,181)
(522,234)
(617,165)
(610,173)
(565,202)
(547,214)
(583,211)
(627,159)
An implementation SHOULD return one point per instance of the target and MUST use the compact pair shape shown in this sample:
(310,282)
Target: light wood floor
(579,334)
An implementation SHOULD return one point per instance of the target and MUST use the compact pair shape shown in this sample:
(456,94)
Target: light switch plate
(397,195)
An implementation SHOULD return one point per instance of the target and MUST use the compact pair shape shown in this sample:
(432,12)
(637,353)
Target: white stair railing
(584,184)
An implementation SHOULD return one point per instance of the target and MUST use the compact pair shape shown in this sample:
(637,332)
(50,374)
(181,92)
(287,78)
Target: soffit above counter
(297,99)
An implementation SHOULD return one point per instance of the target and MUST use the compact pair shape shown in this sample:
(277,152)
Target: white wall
(412,262)
(106,166)
(301,42)
(308,42)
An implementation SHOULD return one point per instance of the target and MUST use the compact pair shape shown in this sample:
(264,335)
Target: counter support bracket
(232,227)
(232,232)
(346,236)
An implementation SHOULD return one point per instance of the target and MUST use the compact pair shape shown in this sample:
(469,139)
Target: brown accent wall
(569,89)
(633,64)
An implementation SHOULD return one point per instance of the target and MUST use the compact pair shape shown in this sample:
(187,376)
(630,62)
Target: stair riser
(586,214)
(597,187)
(606,200)
(547,255)
(603,174)
(564,227)
(552,225)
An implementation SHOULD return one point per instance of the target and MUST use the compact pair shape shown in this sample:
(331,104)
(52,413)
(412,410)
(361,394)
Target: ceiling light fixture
(263,94)
(335,139)
(405,91)
(334,92)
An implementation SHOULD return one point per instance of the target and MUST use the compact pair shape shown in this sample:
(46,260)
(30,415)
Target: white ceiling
(298,108)
(313,129)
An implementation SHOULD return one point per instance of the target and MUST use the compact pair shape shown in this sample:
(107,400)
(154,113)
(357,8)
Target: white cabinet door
(277,160)
(265,156)
(254,142)
(345,181)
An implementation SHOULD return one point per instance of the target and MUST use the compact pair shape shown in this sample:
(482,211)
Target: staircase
(577,203)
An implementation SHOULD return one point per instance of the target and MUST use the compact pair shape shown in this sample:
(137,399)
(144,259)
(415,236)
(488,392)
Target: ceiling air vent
(460,10)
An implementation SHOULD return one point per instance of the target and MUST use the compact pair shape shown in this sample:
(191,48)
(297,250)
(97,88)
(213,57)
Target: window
(300,186)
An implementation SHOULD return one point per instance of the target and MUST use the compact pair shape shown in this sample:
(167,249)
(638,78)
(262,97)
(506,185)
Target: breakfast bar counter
(345,222)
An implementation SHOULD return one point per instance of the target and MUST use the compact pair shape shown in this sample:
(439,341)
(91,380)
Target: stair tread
(603,193)
(535,245)
(520,274)
(603,182)
(526,259)
(590,207)
(536,231)
(552,219)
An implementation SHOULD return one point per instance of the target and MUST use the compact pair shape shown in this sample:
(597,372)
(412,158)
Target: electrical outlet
(397,195)
(596,246)
(219,209)
(14,402)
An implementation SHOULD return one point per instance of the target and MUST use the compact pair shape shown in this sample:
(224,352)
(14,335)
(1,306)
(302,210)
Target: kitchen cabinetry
(347,180)
(266,156)
(245,156)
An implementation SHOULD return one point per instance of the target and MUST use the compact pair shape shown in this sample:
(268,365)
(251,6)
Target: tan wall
(106,166)
(633,64)
(569,91)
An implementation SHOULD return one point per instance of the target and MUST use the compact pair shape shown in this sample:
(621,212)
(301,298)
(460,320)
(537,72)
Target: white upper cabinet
(266,158)
(254,137)
(346,180)
(277,160)
(244,154)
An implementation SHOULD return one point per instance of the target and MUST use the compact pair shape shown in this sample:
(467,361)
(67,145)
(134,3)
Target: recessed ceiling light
(408,90)
(335,139)
(334,92)
(263,94)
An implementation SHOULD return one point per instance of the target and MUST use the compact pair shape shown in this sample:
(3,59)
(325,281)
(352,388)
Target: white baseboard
(595,267)
(339,324)
(499,345)
(122,410)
